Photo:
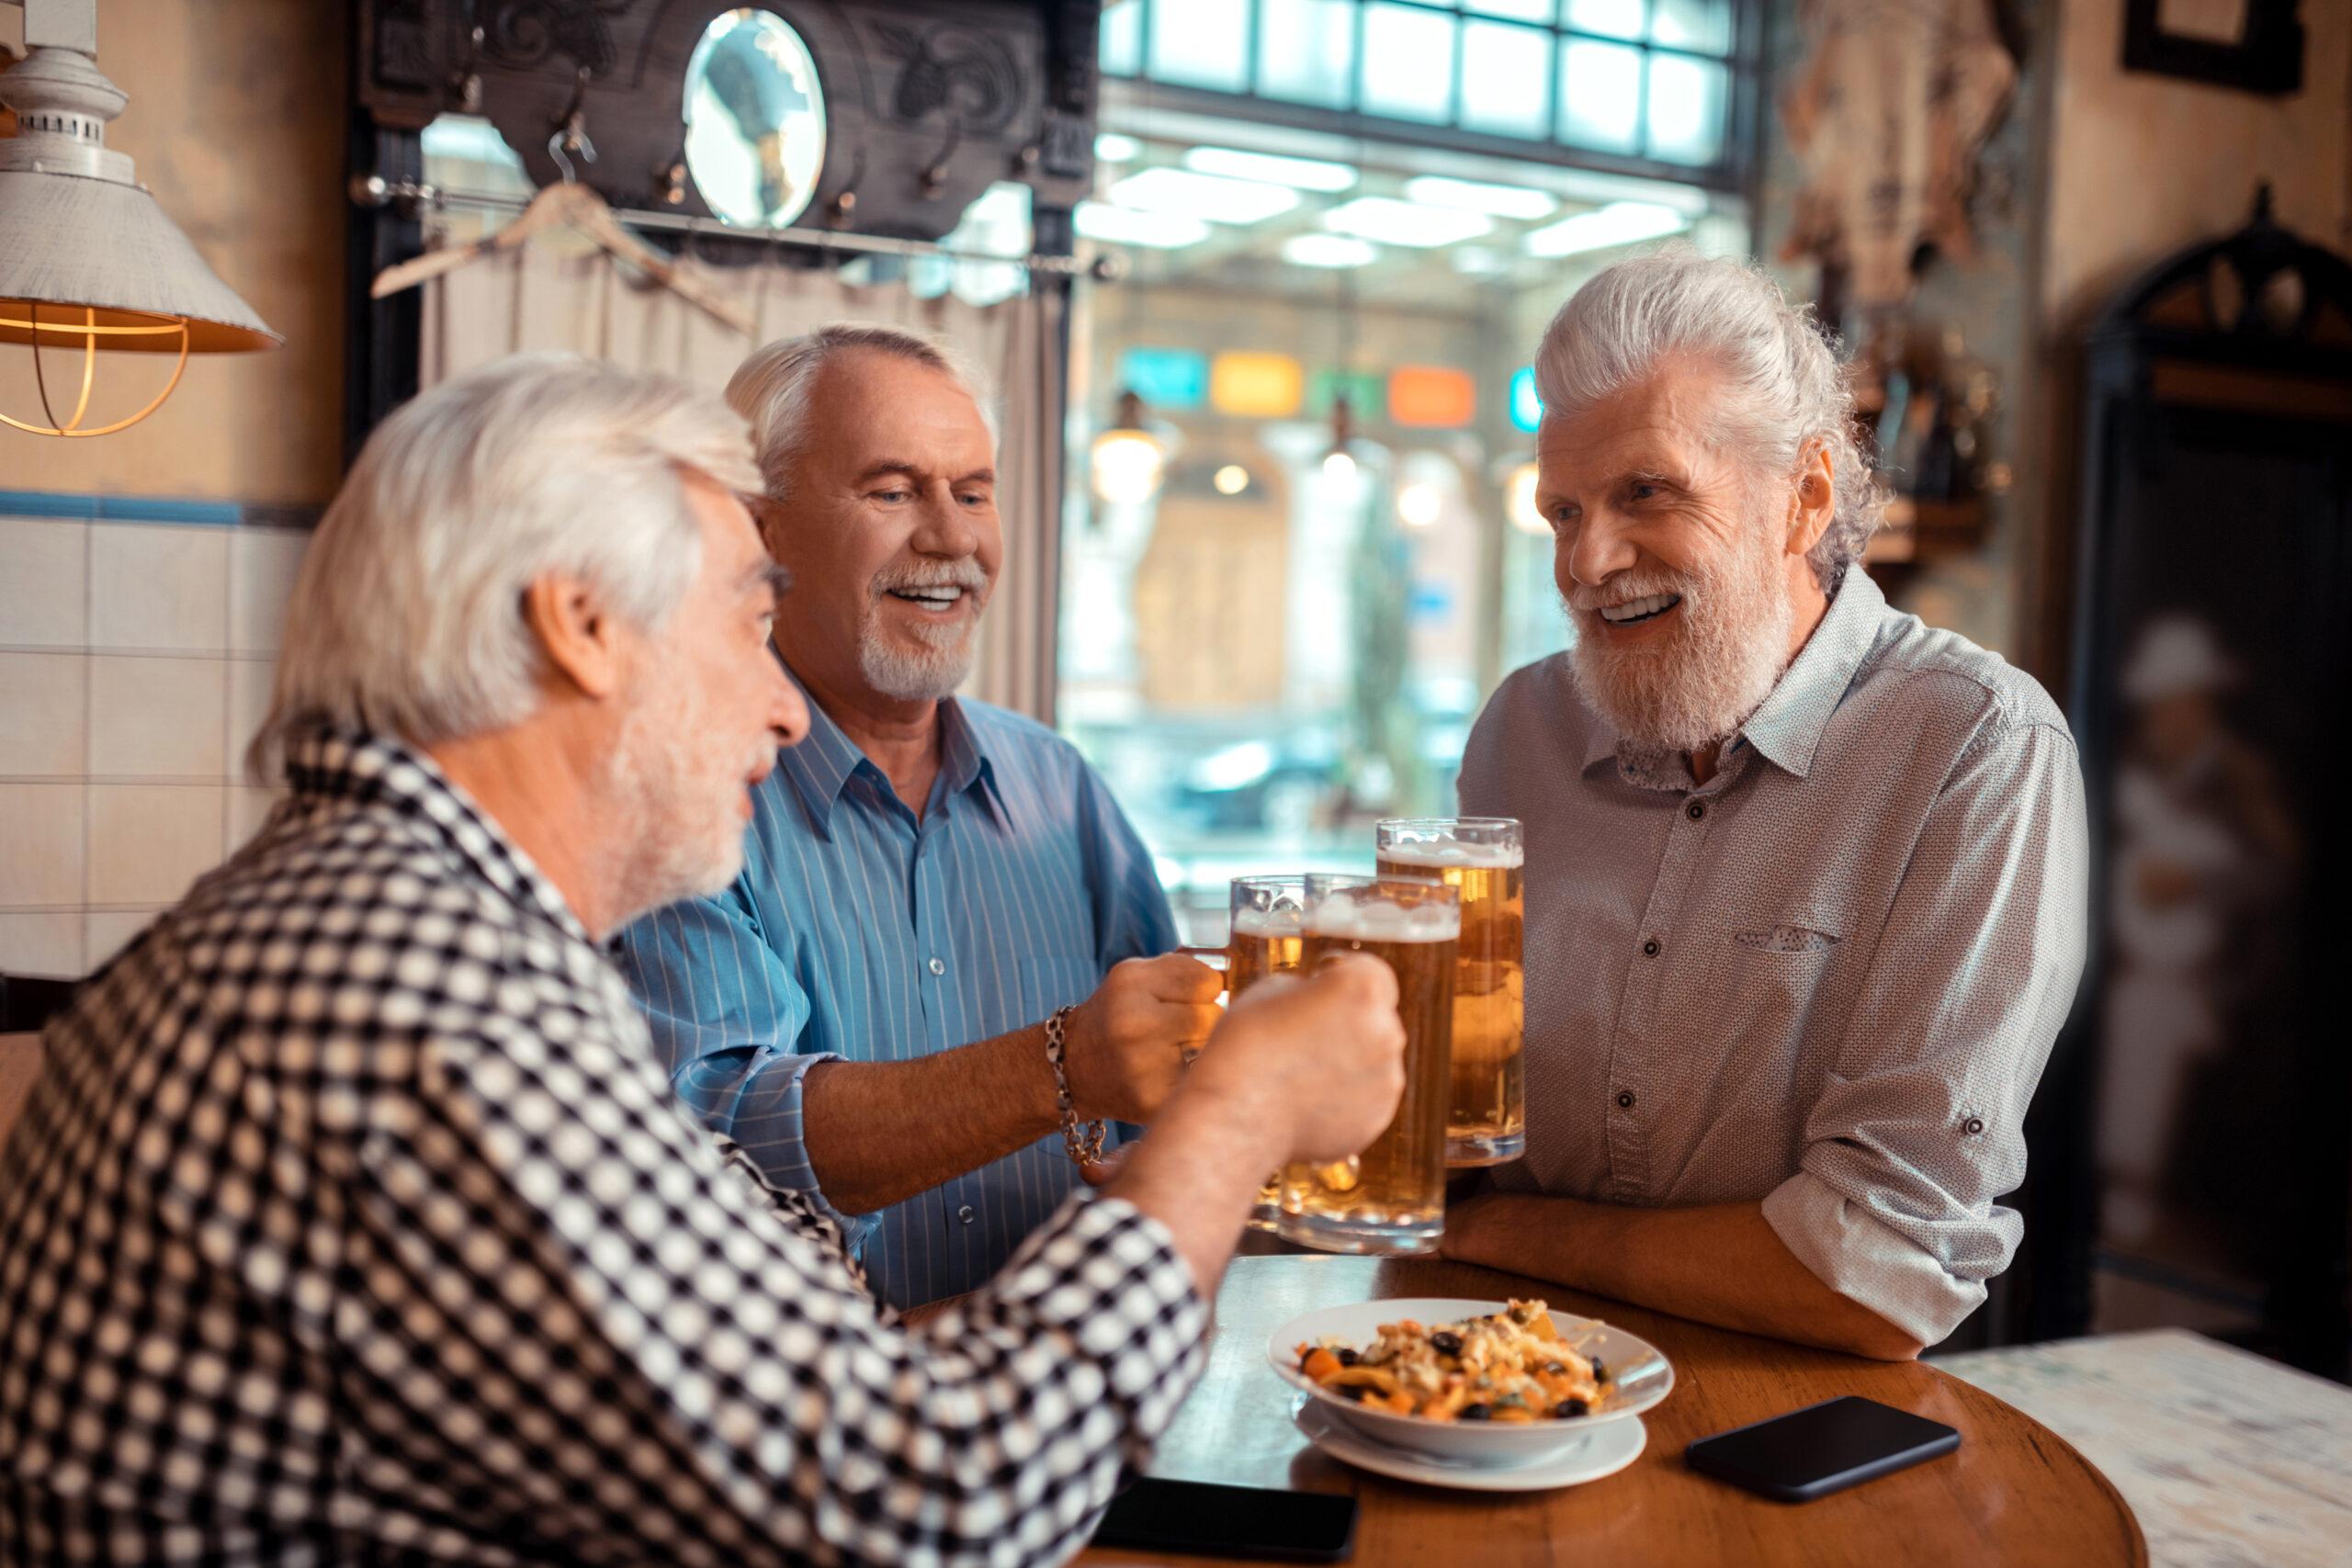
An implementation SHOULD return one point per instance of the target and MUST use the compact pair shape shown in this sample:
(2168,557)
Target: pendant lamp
(88,261)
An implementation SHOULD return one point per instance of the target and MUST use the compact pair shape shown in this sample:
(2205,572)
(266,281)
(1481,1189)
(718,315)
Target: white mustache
(1627,586)
(965,574)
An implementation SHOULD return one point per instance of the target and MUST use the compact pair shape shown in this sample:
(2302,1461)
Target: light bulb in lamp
(1418,505)
(1519,503)
(1127,459)
(1339,462)
(89,265)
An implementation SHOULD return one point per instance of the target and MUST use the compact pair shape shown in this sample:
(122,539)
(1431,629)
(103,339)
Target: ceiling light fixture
(88,259)
(1187,194)
(1127,459)
(1126,226)
(1231,479)
(1478,195)
(1305,174)
(1329,250)
(1393,223)
(1618,224)
(1338,460)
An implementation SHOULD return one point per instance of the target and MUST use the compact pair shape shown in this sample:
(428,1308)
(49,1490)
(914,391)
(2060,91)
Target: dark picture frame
(2268,57)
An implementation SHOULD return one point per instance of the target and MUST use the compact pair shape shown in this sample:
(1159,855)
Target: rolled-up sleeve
(1920,1127)
(727,1017)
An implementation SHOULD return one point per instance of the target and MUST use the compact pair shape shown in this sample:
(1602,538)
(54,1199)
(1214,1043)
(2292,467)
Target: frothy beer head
(1451,854)
(1380,921)
(1284,919)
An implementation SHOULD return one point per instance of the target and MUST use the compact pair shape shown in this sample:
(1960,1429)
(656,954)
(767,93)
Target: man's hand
(1129,1040)
(1300,1070)
(1323,1057)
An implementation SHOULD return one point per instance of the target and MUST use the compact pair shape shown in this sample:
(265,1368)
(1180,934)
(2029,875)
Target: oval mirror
(755,120)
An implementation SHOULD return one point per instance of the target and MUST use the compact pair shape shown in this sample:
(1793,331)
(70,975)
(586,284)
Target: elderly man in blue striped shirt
(934,890)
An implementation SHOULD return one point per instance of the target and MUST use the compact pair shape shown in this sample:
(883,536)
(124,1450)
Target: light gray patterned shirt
(1828,978)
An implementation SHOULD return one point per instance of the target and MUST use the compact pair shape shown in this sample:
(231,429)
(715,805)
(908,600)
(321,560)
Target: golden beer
(1482,858)
(1260,945)
(1391,1196)
(1267,931)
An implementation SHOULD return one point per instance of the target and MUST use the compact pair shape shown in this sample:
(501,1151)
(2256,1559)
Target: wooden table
(2014,1494)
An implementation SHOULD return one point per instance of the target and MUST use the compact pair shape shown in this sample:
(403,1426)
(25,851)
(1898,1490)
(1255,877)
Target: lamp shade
(81,241)
(69,243)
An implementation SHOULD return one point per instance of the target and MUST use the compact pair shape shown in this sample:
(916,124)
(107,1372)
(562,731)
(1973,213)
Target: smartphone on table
(1822,1448)
(1231,1521)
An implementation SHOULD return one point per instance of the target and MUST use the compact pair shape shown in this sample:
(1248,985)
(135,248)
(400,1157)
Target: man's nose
(1594,548)
(947,528)
(787,709)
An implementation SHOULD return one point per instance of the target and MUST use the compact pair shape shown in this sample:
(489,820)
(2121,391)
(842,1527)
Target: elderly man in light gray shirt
(1805,878)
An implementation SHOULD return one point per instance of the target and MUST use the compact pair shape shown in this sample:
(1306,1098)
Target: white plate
(1606,1451)
(1643,1372)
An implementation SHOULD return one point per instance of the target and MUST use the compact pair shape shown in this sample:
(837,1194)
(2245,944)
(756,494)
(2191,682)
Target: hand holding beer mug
(1129,1040)
(1320,1058)
(1391,1196)
(1482,857)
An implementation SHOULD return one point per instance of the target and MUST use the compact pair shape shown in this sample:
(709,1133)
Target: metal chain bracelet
(1082,1140)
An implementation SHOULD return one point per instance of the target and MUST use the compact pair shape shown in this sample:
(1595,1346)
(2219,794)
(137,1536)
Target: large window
(1642,81)
(1300,550)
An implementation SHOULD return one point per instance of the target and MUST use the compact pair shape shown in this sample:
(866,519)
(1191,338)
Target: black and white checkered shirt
(352,1220)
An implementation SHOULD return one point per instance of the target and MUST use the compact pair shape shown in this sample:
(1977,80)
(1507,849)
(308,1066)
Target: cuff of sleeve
(1867,1262)
(1109,1275)
(767,1127)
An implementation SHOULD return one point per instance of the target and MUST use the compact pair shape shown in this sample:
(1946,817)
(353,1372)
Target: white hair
(773,389)
(1792,397)
(407,616)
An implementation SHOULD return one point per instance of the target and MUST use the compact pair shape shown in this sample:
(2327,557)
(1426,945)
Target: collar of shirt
(824,763)
(1786,730)
(335,764)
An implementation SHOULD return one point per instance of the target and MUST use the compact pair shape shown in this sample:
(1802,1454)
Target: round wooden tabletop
(2015,1492)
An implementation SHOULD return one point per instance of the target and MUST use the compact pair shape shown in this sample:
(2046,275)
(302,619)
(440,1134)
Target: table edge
(2139,1540)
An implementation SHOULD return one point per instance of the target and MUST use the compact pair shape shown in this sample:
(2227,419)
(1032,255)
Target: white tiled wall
(135,666)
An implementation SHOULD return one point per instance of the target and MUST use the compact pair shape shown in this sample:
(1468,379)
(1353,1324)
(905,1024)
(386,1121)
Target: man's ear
(579,632)
(1816,499)
(766,517)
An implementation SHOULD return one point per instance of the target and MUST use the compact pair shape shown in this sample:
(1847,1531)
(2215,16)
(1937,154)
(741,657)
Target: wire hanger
(568,204)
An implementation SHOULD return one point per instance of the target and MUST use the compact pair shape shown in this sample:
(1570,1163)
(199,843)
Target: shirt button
(1973,1126)
(1649,948)
(937,966)
(966,1214)
(1625,1099)
(1695,810)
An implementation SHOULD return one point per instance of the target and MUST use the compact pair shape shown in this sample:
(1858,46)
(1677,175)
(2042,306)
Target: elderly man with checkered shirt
(355,1217)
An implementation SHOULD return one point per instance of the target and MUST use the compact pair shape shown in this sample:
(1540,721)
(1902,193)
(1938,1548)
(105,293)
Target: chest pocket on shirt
(1766,979)
(1056,982)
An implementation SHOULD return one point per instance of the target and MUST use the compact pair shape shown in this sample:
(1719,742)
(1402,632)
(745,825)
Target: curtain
(546,297)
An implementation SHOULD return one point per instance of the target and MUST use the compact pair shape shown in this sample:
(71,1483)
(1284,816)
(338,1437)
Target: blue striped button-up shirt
(857,933)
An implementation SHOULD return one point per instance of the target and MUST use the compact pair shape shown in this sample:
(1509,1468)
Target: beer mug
(1267,930)
(1483,857)
(1390,1199)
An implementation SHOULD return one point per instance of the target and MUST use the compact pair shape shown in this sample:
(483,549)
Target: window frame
(1731,173)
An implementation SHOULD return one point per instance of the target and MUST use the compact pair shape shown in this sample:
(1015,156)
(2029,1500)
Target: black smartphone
(1231,1521)
(1822,1448)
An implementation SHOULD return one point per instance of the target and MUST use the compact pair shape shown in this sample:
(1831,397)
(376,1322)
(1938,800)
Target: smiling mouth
(938,600)
(1633,611)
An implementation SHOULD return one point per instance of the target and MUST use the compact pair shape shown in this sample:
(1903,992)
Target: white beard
(932,672)
(1697,687)
(682,836)
(913,676)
